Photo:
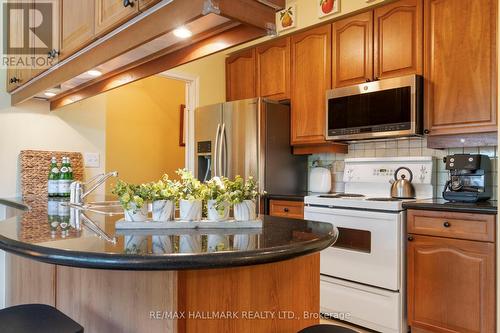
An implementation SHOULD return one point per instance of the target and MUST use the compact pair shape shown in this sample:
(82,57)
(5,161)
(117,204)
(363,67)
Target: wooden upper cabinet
(111,13)
(353,50)
(273,69)
(460,66)
(77,25)
(145,4)
(311,78)
(240,75)
(398,35)
(451,285)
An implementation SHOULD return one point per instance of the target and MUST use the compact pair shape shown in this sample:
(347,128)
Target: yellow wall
(142,129)
(211,70)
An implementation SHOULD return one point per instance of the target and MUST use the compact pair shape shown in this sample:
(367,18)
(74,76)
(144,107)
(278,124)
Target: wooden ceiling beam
(248,12)
(227,39)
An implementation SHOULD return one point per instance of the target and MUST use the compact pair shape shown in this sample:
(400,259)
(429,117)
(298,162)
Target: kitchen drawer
(292,209)
(480,227)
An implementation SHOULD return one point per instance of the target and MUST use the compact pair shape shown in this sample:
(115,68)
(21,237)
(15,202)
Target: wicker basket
(35,168)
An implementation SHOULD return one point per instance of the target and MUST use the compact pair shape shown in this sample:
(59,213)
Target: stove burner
(383,199)
(350,195)
(328,196)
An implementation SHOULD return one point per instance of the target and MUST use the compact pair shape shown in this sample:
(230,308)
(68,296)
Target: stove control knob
(471,159)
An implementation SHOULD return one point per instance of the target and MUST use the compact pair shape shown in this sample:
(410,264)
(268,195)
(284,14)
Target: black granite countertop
(28,230)
(289,197)
(484,207)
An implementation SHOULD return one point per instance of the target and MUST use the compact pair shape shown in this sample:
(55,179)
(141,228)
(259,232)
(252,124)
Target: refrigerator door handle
(216,155)
(224,142)
(219,154)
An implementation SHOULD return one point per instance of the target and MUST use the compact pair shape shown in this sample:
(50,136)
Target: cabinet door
(18,46)
(398,31)
(451,285)
(42,47)
(353,50)
(460,66)
(111,13)
(145,4)
(240,75)
(273,69)
(77,25)
(311,78)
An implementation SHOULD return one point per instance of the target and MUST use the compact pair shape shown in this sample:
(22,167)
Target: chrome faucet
(78,189)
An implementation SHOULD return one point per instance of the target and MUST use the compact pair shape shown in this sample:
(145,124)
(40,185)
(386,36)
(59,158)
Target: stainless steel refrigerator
(249,138)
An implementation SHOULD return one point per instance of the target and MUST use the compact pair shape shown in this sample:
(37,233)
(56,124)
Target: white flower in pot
(215,194)
(165,193)
(191,196)
(243,194)
(134,200)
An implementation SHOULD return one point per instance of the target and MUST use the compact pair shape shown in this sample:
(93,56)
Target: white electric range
(363,273)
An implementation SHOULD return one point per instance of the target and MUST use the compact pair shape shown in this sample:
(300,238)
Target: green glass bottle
(53,183)
(70,168)
(64,179)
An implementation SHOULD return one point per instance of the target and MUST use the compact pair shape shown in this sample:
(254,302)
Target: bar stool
(323,328)
(38,318)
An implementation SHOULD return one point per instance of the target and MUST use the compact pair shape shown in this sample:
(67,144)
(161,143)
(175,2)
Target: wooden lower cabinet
(451,284)
(286,208)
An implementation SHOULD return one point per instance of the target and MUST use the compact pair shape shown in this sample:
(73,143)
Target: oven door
(368,249)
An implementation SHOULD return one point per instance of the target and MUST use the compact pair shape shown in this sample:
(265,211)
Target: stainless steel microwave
(379,109)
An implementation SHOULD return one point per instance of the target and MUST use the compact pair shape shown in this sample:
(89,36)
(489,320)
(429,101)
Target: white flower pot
(190,210)
(189,244)
(245,242)
(163,210)
(215,241)
(162,244)
(135,214)
(136,244)
(245,211)
(213,214)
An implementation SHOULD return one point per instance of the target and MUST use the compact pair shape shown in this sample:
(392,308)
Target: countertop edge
(104,261)
(447,208)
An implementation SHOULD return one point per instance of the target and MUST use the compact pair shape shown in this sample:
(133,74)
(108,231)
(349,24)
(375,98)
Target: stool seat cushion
(324,328)
(37,318)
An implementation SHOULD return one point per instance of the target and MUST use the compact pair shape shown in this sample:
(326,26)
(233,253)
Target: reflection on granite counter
(484,207)
(47,232)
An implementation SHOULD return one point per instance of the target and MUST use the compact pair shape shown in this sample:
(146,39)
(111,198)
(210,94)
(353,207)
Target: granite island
(220,280)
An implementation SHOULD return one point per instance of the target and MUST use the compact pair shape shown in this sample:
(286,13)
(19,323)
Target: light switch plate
(91,160)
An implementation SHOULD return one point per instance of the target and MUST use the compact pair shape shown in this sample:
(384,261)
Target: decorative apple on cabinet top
(328,7)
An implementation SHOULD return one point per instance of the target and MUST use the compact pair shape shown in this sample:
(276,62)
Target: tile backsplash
(400,148)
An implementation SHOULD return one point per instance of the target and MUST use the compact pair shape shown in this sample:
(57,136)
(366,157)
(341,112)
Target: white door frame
(192,102)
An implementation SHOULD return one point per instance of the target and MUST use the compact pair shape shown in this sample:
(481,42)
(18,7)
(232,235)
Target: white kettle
(320,180)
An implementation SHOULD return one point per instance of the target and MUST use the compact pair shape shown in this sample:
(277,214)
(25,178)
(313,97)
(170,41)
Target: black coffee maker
(470,178)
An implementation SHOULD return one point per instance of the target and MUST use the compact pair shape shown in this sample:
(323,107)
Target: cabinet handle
(286,210)
(377,78)
(53,53)
(368,80)
(446,224)
(426,131)
(127,3)
(14,80)
(410,238)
